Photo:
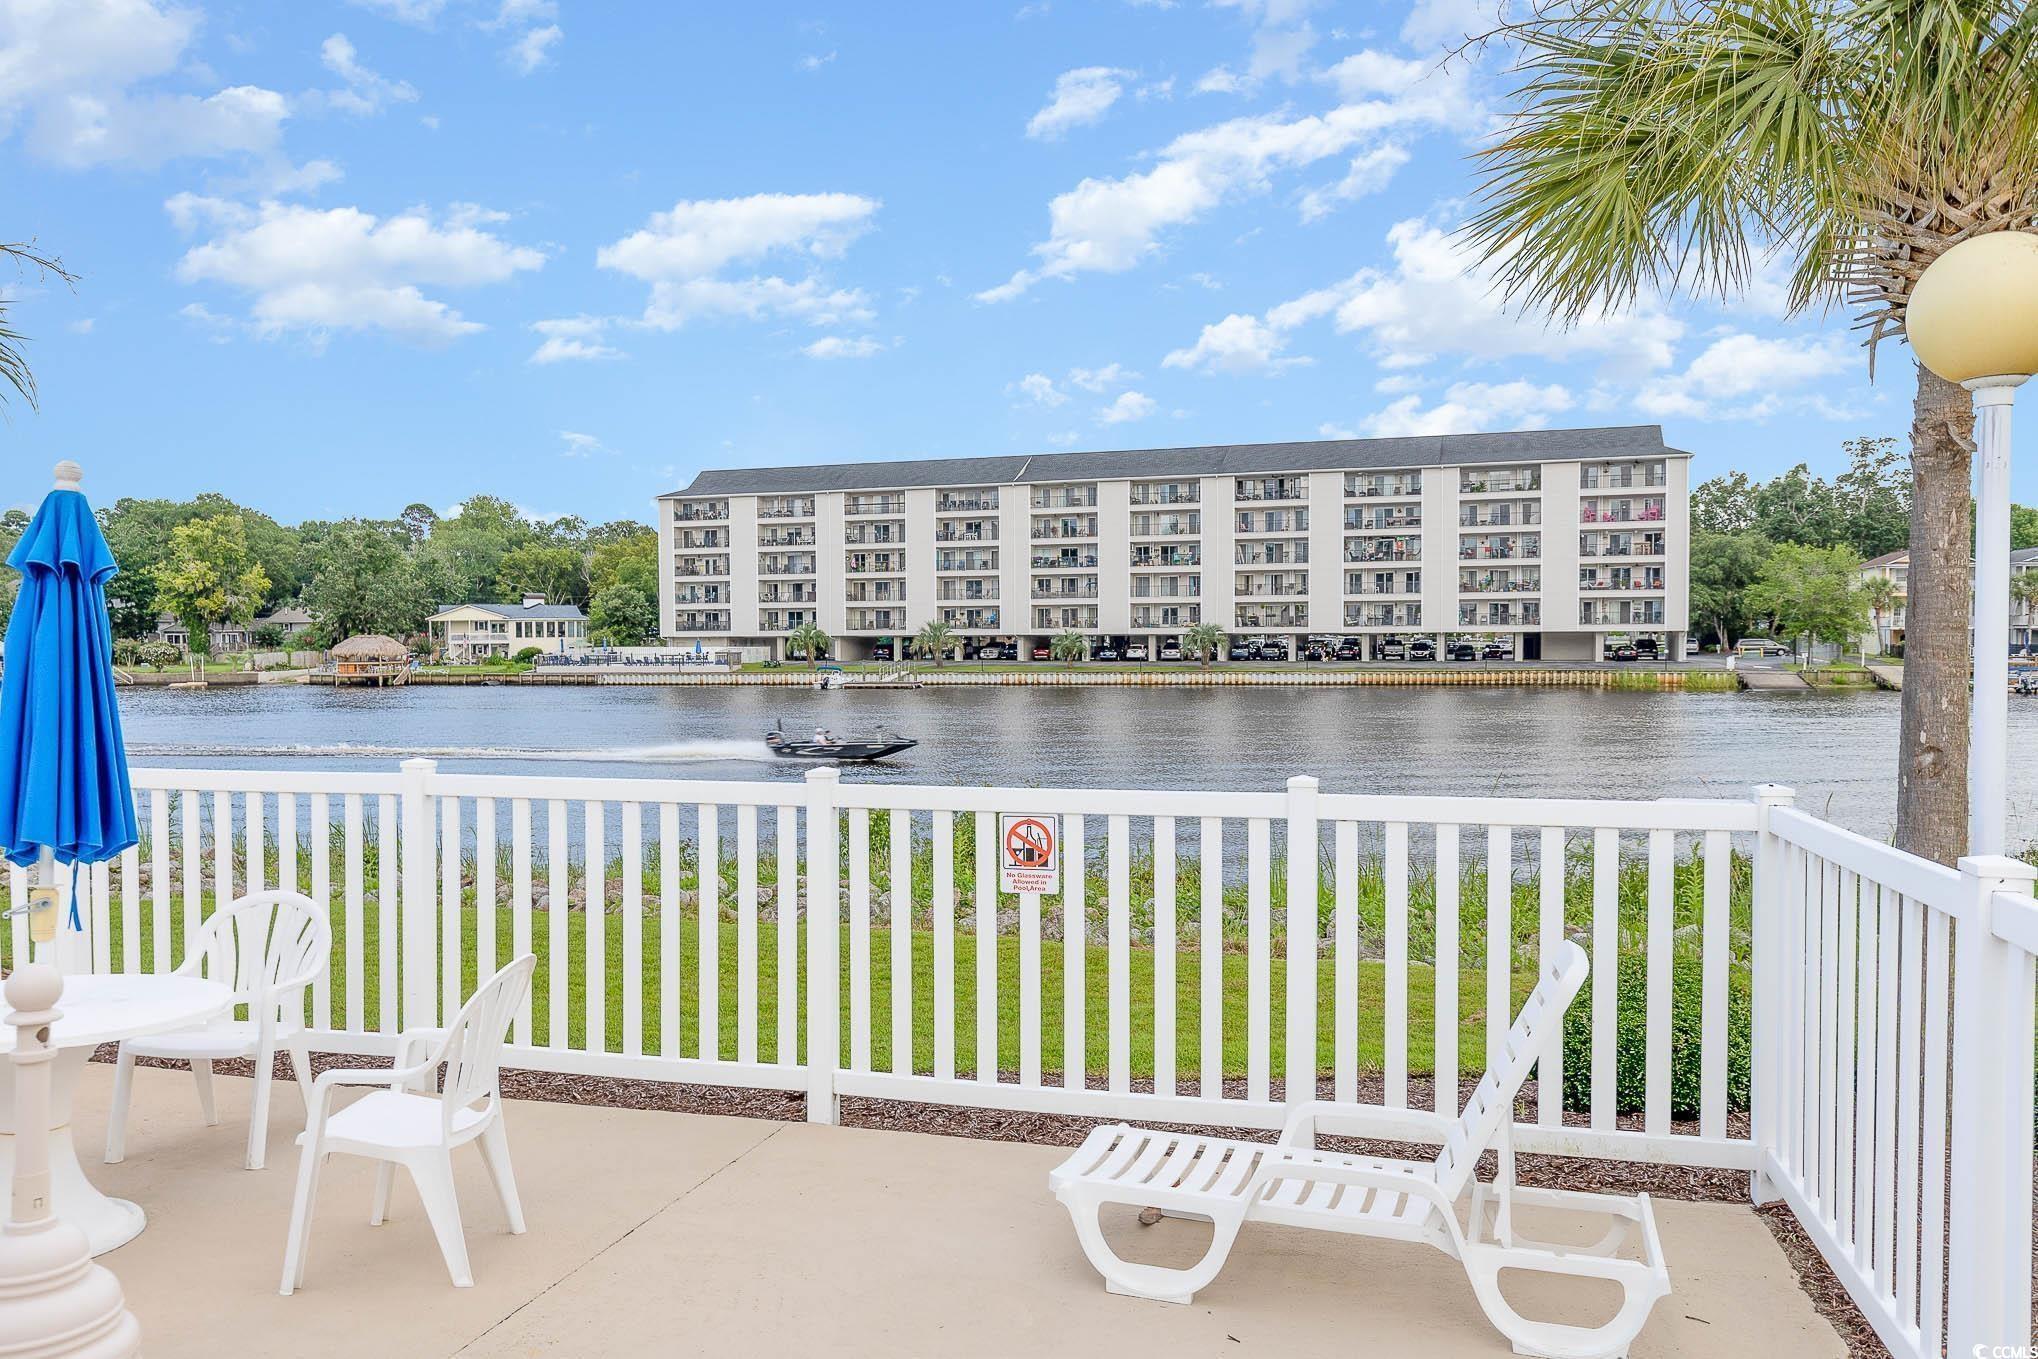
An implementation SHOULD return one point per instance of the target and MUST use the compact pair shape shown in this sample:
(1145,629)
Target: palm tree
(935,641)
(1880,595)
(809,643)
(1204,641)
(1070,646)
(14,369)
(1666,147)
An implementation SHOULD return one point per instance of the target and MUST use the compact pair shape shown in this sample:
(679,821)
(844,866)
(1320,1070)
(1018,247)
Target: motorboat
(824,745)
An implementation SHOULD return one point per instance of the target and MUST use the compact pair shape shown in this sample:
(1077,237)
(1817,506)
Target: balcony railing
(1368,488)
(1271,616)
(1594,478)
(698,513)
(1048,590)
(874,505)
(966,504)
(970,533)
(1083,498)
(1272,488)
(1076,528)
(1167,495)
(1148,557)
(1080,561)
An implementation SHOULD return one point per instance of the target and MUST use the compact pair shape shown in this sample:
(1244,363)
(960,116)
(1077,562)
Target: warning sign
(1029,852)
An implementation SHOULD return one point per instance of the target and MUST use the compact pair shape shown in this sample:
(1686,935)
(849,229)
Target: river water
(1837,750)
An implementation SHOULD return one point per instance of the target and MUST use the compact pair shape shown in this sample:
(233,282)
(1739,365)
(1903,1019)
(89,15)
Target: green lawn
(1188,1044)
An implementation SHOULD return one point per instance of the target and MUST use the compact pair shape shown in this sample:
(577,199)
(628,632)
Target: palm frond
(14,369)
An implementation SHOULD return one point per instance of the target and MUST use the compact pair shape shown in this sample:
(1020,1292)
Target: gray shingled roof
(524,610)
(2023,555)
(1427,450)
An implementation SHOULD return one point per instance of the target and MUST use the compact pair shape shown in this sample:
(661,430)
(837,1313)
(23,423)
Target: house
(472,632)
(224,637)
(292,621)
(1888,632)
(2023,616)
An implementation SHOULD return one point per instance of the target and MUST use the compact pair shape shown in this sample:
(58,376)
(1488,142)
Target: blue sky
(339,257)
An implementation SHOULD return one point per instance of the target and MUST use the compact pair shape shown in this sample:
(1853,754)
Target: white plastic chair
(423,1112)
(1291,1183)
(265,948)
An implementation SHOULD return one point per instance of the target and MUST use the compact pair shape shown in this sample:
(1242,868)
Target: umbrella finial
(70,476)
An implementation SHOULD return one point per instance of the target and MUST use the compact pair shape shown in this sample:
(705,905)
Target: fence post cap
(1998,866)
(1775,794)
(824,776)
(420,764)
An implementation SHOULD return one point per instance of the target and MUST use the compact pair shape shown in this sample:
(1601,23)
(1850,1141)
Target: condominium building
(1552,542)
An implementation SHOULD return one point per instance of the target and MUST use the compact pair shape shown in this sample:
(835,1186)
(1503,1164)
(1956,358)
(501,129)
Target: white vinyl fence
(1890,1065)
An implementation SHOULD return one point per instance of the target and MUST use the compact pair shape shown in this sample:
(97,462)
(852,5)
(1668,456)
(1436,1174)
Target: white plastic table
(95,1010)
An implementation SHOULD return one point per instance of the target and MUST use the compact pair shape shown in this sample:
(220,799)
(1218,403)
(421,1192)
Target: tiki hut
(371,659)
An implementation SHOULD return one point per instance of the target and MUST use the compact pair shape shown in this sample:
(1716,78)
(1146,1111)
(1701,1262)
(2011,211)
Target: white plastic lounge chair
(1230,1183)
(265,948)
(451,1098)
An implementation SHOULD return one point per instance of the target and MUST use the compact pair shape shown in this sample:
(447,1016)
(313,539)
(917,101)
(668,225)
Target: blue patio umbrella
(64,794)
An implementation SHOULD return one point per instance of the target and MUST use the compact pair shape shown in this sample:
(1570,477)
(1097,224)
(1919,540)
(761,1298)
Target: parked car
(1422,649)
(1106,652)
(1170,651)
(1241,651)
(1043,652)
(1273,649)
(1496,651)
(1136,651)
(1463,651)
(1648,649)
(1317,651)
(1350,650)
(1622,651)
(881,652)
(1393,649)
(1760,646)
(997,651)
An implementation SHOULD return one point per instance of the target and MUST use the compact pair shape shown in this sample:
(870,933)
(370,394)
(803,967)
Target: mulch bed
(1699,1184)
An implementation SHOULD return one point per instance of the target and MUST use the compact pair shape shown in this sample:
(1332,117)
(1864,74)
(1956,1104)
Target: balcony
(970,532)
(1272,521)
(957,591)
(1620,511)
(966,561)
(787,593)
(966,502)
(1156,617)
(784,620)
(1183,493)
(1382,518)
(797,537)
(1048,529)
(1064,561)
(692,567)
(875,620)
(1383,583)
(1383,549)
(971,620)
(1262,586)
(1527,614)
(798,564)
(1263,553)
(1167,587)
(1615,613)
(1383,615)
(1620,544)
(1082,618)
(699,511)
(874,504)
(1271,616)
(1065,498)
(874,591)
(1146,557)
(701,594)
(875,564)
(1500,481)
(1611,477)
(1499,582)
(799,507)
(1507,547)
(1271,488)
(689,620)
(1364,486)
(1064,589)
(1166,525)
(1500,514)
(874,534)
(702,540)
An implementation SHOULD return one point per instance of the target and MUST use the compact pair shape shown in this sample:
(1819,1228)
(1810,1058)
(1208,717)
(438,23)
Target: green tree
(1666,148)
(465,550)
(809,643)
(12,524)
(1875,496)
(630,559)
(2023,527)
(1203,641)
(364,581)
(622,615)
(1813,593)
(1724,568)
(1069,647)
(1798,507)
(556,571)
(418,520)
(1723,505)
(934,641)
(1879,594)
(211,576)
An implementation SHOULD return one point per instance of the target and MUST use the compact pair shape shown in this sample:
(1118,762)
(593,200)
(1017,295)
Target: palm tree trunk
(1931,816)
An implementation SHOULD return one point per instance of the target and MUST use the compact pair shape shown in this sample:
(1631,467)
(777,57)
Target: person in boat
(824,737)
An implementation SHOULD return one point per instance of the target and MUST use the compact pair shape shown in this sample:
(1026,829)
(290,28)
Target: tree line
(208,561)
(1784,557)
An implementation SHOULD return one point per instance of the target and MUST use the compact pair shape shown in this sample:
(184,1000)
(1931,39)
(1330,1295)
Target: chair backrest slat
(1537,1029)
(472,1049)
(260,940)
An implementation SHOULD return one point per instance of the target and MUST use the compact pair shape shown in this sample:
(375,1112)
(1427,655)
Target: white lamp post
(1973,319)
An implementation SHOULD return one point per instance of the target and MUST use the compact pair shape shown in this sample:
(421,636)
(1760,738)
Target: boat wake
(681,752)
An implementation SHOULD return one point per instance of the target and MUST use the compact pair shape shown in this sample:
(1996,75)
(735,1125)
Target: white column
(418,904)
(1988,745)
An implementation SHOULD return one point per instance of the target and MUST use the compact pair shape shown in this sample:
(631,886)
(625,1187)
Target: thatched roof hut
(371,646)
(373,658)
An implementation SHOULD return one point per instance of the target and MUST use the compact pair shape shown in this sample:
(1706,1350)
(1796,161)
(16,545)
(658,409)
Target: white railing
(1888,1059)
(1894,1015)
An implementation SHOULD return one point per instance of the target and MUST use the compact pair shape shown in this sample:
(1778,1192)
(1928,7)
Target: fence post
(1765,1091)
(1298,1071)
(824,945)
(1988,1227)
(417,902)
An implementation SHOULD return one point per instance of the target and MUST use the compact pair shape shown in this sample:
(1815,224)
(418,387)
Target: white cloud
(1039,388)
(1443,24)
(1282,37)
(1327,430)
(533,48)
(1473,407)
(1097,379)
(419,12)
(1128,406)
(1370,172)
(842,347)
(517,13)
(1219,80)
(78,77)
(573,339)
(814,61)
(81,326)
(1110,225)
(366,92)
(1237,344)
(682,253)
(316,271)
(579,445)
(1080,97)
(1746,377)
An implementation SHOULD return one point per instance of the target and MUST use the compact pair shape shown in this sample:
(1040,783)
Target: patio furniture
(451,1098)
(100,1009)
(1228,1183)
(265,949)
